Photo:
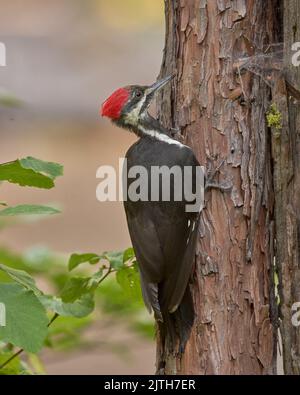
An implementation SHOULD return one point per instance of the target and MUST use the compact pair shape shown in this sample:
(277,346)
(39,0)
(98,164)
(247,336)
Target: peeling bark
(286,158)
(221,115)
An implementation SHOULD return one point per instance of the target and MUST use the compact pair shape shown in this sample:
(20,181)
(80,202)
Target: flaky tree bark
(221,115)
(286,158)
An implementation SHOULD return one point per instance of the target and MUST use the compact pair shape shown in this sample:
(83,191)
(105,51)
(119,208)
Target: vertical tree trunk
(286,158)
(221,115)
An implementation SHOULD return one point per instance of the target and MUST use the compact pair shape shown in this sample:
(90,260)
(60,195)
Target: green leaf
(21,277)
(26,318)
(80,308)
(13,368)
(36,259)
(129,280)
(77,259)
(30,172)
(113,300)
(76,287)
(128,254)
(28,209)
(50,169)
(14,172)
(115,259)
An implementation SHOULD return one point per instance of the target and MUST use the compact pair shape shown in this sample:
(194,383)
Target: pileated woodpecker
(163,234)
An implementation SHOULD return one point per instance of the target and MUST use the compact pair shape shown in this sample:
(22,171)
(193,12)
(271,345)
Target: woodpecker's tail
(176,327)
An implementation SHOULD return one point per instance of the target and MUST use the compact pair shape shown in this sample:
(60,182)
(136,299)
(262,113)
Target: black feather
(164,236)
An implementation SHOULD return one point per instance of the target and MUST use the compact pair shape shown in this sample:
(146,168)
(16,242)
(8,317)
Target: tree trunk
(221,114)
(286,158)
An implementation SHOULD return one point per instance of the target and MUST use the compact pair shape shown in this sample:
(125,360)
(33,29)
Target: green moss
(274,118)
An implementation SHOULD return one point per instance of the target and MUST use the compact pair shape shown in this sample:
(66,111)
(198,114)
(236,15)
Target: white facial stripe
(133,116)
(161,137)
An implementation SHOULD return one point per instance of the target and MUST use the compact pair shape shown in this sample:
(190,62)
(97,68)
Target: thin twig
(55,316)
(53,319)
(11,358)
(17,353)
(105,275)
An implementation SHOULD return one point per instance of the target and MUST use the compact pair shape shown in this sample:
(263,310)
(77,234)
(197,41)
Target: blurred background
(64,57)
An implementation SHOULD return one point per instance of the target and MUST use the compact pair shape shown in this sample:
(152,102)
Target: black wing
(163,235)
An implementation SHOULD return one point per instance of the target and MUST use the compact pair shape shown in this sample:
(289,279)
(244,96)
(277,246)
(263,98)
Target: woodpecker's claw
(176,134)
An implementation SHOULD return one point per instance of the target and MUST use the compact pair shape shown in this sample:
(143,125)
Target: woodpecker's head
(128,106)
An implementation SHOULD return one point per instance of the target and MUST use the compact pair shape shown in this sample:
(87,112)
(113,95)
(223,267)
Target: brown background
(64,57)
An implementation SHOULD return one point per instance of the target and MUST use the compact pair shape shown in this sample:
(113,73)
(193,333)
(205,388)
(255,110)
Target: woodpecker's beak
(152,89)
(158,85)
(149,93)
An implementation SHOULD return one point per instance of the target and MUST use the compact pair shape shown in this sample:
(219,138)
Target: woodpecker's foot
(176,134)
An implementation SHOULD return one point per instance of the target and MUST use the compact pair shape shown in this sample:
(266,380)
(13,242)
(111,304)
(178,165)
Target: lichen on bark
(222,116)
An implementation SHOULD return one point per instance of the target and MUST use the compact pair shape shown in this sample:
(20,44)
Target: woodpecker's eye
(138,94)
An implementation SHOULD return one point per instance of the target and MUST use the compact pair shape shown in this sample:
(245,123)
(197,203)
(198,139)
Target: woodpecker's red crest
(113,105)
(126,106)
(163,234)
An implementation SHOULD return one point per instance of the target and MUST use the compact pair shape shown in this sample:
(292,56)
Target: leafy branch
(27,306)
(30,172)
(19,352)
(76,288)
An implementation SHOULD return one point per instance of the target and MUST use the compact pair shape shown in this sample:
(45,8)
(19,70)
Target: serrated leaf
(129,280)
(28,209)
(26,318)
(50,169)
(21,277)
(13,172)
(80,308)
(128,254)
(76,287)
(77,259)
